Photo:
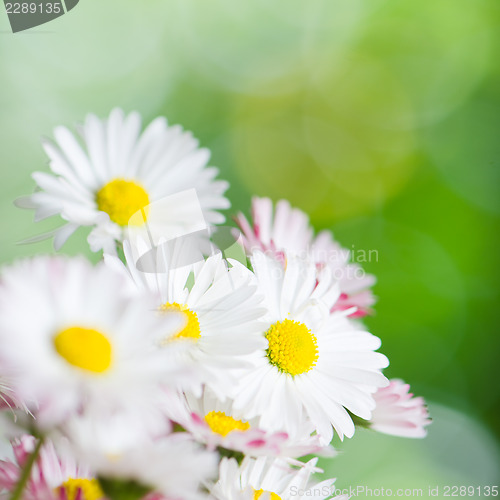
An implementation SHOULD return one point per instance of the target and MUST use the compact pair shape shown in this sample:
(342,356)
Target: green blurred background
(379,118)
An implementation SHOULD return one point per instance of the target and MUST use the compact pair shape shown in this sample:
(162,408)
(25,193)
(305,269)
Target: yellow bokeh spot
(191,329)
(90,489)
(222,424)
(258,493)
(293,348)
(84,348)
(121,199)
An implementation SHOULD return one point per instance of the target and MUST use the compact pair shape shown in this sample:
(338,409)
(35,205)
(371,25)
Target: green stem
(26,471)
(119,252)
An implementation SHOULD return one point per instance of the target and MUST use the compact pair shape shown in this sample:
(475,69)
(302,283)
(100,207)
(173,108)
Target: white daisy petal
(69,334)
(111,172)
(95,137)
(265,478)
(302,368)
(75,156)
(287,230)
(139,448)
(217,423)
(222,314)
(63,234)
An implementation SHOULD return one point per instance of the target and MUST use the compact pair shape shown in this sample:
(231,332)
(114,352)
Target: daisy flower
(70,336)
(216,424)
(220,308)
(288,230)
(270,479)
(127,447)
(398,413)
(316,364)
(109,171)
(52,476)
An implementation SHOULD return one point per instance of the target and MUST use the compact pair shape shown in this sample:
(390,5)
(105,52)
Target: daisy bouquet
(170,370)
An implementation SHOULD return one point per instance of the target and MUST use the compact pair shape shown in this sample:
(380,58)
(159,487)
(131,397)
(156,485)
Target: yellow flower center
(90,489)
(84,348)
(191,329)
(121,199)
(258,493)
(293,348)
(222,424)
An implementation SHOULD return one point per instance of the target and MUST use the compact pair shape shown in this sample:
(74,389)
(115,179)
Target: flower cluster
(170,370)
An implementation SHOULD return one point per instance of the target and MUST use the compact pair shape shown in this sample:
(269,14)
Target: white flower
(53,477)
(125,447)
(317,364)
(110,171)
(269,479)
(288,230)
(217,424)
(220,308)
(70,336)
(398,413)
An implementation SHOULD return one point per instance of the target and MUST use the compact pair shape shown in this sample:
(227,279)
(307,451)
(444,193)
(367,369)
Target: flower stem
(26,471)
(119,251)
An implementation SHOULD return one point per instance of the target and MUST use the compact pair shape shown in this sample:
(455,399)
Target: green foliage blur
(379,118)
